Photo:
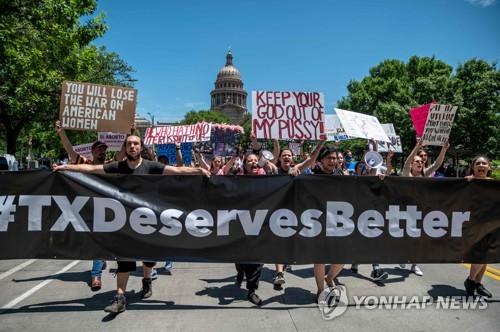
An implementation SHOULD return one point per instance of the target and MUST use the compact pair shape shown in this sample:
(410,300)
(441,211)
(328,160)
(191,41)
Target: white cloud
(482,3)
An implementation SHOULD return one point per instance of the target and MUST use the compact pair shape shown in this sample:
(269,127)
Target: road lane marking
(16,268)
(490,272)
(44,283)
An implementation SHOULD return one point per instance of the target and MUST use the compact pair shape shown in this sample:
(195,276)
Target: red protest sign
(419,117)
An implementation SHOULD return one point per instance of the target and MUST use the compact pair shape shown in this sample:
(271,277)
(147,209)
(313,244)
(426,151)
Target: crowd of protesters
(136,158)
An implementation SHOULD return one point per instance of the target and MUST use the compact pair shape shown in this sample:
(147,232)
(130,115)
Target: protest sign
(295,148)
(334,130)
(87,106)
(418,117)
(198,132)
(438,124)
(114,141)
(84,150)
(224,141)
(288,115)
(361,125)
(169,151)
(395,141)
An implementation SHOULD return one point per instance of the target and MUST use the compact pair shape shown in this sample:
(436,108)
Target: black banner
(277,219)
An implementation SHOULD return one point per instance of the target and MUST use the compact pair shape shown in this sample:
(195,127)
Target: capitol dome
(228,97)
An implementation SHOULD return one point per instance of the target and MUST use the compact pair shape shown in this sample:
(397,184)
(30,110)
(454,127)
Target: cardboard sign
(84,150)
(114,141)
(170,152)
(334,130)
(361,125)
(87,106)
(288,115)
(418,117)
(198,132)
(395,143)
(438,124)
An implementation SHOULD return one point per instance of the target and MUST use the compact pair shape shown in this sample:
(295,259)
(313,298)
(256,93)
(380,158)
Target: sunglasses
(418,161)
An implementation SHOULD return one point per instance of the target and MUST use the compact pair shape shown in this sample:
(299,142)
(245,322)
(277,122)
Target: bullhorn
(373,159)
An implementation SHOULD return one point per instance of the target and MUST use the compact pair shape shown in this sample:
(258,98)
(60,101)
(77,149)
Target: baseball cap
(98,144)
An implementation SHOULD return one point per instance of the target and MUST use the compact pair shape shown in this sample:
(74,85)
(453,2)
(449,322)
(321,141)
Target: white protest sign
(333,128)
(361,125)
(288,115)
(438,125)
(199,132)
(395,143)
(84,150)
(114,141)
(295,148)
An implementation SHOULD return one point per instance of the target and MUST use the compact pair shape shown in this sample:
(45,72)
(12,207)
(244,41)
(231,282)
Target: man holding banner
(134,164)
(98,158)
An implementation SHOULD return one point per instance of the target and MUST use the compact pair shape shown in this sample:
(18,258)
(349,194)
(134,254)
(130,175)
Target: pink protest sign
(419,117)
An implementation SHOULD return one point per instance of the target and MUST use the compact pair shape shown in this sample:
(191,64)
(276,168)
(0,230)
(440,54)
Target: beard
(132,158)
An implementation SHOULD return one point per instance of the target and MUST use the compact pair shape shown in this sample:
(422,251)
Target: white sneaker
(415,269)
(154,274)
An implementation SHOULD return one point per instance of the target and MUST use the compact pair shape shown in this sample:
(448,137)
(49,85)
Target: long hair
(471,170)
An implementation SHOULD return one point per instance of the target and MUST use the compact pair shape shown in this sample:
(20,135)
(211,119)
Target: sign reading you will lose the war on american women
(438,125)
(288,115)
(87,106)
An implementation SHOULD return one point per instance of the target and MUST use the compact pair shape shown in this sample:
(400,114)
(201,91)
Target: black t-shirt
(319,170)
(146,167)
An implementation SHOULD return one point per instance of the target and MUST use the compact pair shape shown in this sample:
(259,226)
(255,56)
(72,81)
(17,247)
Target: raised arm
(202,161)
(178,155)
(73,156)
(388,162)
(82,168)
(438,162)
(227,167)
(312,158)
(409,160)
(276,150)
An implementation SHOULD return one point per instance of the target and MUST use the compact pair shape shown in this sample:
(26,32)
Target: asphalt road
(53,295)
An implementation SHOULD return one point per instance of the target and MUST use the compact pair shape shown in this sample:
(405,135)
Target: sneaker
(403,266)
(354,268)
(415,269)
(118,304)
(470,287)
(287,268)
(481,290)
(239,279)
(379,274)
(154,274)
(95,284)
(254,298)
(279,279)
(168,267)
(147,288)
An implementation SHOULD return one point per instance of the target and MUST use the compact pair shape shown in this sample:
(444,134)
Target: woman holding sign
(480,170)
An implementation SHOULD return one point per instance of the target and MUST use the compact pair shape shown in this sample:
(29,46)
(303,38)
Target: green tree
(193,117)
(43,43)
(393,87)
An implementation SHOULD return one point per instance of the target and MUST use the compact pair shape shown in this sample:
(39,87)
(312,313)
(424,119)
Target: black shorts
(128,266)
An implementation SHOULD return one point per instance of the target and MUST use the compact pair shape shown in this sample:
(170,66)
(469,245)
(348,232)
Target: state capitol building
(228,96)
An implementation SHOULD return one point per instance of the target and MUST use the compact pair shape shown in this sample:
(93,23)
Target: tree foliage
(43,43)
(193,117)
(393,87)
